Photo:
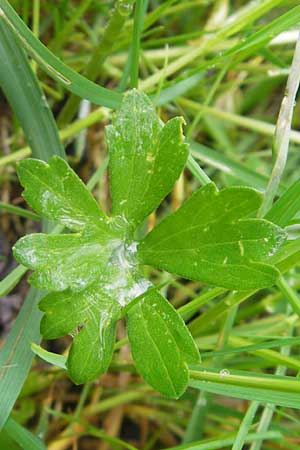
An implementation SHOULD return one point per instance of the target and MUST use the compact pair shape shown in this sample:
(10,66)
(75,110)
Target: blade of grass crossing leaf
(196,170)
(51,358)
(25,439)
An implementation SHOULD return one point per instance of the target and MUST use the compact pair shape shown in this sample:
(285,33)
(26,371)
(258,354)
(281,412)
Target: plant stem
(36,26)
(196,170)
(136,42)
(11,280)
(289,294)
(258,126)
(283,132)
(245,426)
(269,409)
(194,305)
(19,211)
(269,383)
(119,15)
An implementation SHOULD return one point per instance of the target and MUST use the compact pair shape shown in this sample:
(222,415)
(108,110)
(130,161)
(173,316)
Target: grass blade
(29,103)
(11,280)
(283,132)
(63,74)
(40,130)
(16,356)
(24,438)
(283,391)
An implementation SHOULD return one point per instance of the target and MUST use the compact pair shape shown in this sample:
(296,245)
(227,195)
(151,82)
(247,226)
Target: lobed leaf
(57,193)
(146,158)
(161,344)
(92,316)
(66,260)
(210,240)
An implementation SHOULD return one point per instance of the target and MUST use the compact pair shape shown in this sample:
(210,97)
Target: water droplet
(224,373)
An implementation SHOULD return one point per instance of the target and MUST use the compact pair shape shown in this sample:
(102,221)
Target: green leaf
(49,357)
(161,344)
(286,207)
(92,316)
(209,239)
(22,437)
(55,68)
(57,193)
(23,92)
(146,158)
(229,165)
(66,260)
(278,390)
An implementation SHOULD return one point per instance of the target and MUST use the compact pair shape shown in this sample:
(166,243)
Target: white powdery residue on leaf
(46,197)
(139,288)
(132,248)
(31,257)
(120,282)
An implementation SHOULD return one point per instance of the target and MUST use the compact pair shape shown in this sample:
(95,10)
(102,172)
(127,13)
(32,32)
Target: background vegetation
(222,65)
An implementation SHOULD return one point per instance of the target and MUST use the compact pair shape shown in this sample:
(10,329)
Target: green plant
(223,66)
(95,272)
